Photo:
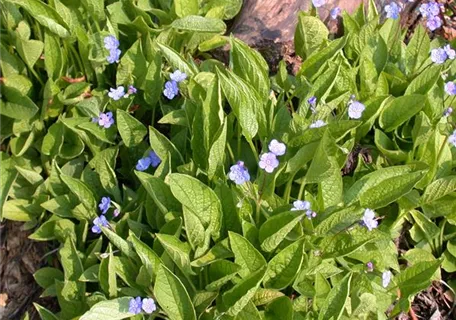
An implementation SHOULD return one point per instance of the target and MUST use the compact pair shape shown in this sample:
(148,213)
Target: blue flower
(135,305)
(439,55)
(386,278)
(171,89)
(239,173)
(131,90)
(452,138)
(178,76)
(370,266)
(116,213)
(317,124)
(369,219)
(277,148)
(105,120)
(143,164)
(104,204)
(313,103)
(116,94)
(111,42)
(99,222)
(450,52)
(154,159)
(392,10)
(450,88)
(434,23)
(334,13)
(356,109)
(268,162)
(148,305)
(430,9)
(300,205)
(114,56)
(447,112)
(318,3)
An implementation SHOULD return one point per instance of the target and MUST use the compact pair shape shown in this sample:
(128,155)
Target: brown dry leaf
(3,299)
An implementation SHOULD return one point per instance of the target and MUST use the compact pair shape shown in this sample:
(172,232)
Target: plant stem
(301,189)
(255,153)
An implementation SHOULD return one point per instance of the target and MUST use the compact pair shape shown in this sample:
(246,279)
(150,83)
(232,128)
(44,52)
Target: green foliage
(184,230)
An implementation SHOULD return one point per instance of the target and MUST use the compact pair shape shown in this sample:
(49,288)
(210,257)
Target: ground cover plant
(175,186)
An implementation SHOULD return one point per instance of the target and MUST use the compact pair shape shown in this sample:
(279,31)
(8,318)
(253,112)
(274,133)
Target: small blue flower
(114,56)
(452,138)
(268,162)
(370,266)
(171,89)
(104,204)
(434,23)
(154,159)
(239,173)
(318,3)
(135,305)
(131,90)
(277,148)
(116,94)
(392,10)
(447,112)
(430,9)
(317,124)
(300,205)
(143,164)
(450,88)
(178,76)
(369,219)
(148,305)
(105,120)
(312,101)
(450,52)
(439,55)
(99,222)
(334,13)
(111,42)
(356,109)
(116,213)
(386,278)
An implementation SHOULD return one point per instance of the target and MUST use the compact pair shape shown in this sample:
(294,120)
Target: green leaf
(342,244)
(186,7)
(131,130)
(172,296)
(162,146)
(424,82)
(429,229)
(45,277)
(322,164)
(53,56)
(81,191)
(220,273)
(333,306)
(389,190)
(70,260)
(44,313)
(438,189)
(200,199)
(159,191)
(110,310)
(280,308)
(175,59)
(283,268)
(311,33)
(90,274)
(245,254)
(53,140)
(95,8)
(250,66)
(148,256)
(338,221)
(107,274)
(123,245)
(199,24)
(417,277)
(29,50)
(132,67)
(18,105)
(45,15)
(240,295)
(243,100)
(417,49)
(400,110)
(179,252)
(276,228)
(217,152)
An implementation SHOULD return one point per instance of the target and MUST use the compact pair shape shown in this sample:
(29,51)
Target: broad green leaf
(179,252)
(175,59)
(276,228)
(196,234)
(45,15)
(283,268)
(131,130)
(90,274)
(44,313)
(148,257)
(162,146)
(172,296)
(438,189)
(95,8)
(53,56)
(70,260)
(321,165)
(334,304)
(199,24)
(115,309)
(186,7)
(159,191)
(240,295)
(123,245)
(220,273)
(29,50)
(16,210)
(81,191)
(250,66)
(45,276)
(338,221)
(311,33)
(389,190)
(200,199)
(280,308)
(217,152)
(244,101)
(219,251)
(245,255)
(429,229)
(424,82)
(265,296)
(400,110)
(417,49)
(17,106)
(53,140)
(132,67)
(417,277)
(107,274)
(344,243)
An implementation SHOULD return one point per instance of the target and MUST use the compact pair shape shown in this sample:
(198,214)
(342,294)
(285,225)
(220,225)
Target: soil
(20,257)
